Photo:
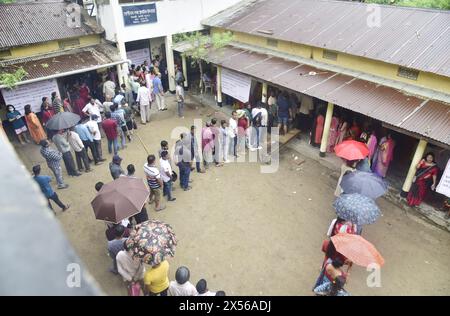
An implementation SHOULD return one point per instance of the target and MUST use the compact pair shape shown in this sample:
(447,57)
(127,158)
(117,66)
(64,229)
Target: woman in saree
(383,156)
(34,126)
(333,134)
(320,121)
(342,130)
(424,180)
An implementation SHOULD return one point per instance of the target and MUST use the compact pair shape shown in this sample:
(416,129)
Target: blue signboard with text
(139,14)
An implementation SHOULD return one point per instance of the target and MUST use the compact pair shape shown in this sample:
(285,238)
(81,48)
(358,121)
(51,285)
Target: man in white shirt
(305,119)
(144,98)
(166,175)
(93,128)
(93,108)
(255,129)
(80,152)
(179,90)
(109,89)
(182,286)
(233,131)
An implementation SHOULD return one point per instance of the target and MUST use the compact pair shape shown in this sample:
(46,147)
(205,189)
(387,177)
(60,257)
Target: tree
(434,4)
(10,79)
(7,1)
(200,45)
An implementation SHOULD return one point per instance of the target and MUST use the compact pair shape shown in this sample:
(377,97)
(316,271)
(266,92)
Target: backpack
(257,119)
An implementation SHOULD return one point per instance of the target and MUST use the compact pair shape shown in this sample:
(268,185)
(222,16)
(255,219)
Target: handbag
(174,176)
(134,289)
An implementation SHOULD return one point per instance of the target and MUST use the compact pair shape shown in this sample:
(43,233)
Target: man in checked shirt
(53,158)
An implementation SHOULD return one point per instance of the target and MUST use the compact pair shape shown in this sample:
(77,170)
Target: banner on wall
(444,184)
(138,56)
(31,93)
(236,85)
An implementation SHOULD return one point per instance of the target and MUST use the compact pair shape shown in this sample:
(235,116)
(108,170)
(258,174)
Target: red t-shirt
(110,128)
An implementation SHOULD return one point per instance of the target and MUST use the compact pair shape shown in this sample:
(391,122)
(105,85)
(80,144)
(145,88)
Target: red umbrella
(120,199)
(351,150)
(357,249)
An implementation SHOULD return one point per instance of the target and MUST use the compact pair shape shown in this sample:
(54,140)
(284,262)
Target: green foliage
(198,44)
(7,1)
(434,4)
(10,80)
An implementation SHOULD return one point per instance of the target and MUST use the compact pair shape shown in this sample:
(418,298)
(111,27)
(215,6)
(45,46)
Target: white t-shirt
(180,93)
(128,268)
(92,109)
(264,117)
(208,293)
(232,128)
(92,126)
(164,168)
(143,97)
(186,289)
(307,104)
(109,88)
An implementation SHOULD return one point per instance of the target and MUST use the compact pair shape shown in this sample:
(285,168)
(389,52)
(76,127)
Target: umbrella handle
(145,147)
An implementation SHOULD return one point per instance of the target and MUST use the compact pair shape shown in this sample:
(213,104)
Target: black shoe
(172,199)
(66,208)
(77,174)
(100,160)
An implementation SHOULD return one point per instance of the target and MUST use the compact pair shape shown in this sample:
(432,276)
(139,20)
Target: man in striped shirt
(53,158)
(154,182)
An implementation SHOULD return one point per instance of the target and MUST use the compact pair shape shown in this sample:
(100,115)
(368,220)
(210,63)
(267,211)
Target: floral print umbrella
(152,242)
(357,208)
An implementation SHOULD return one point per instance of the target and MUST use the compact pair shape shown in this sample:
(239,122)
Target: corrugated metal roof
(60,63)
(410,37)
(35,22)
(432,120)
(381,102)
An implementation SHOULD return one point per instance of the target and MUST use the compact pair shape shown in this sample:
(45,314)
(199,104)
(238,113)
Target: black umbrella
(63,120)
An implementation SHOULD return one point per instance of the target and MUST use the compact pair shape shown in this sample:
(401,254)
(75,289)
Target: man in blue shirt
(87,139)
(283,111)
(47,190)
(158,91)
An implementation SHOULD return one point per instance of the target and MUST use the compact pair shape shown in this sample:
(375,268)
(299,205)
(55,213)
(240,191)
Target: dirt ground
(250,233)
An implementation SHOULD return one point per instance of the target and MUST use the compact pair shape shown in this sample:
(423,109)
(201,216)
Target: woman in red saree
(320,121)
(425,179)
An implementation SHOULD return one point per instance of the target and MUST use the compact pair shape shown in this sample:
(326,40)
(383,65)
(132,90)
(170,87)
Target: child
(182,286)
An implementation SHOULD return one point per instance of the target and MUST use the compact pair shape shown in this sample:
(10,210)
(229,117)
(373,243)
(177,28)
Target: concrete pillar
(170,63)
(219,85)
(420,150)
(326,130)
(122,69)
(264,92)
(184,66)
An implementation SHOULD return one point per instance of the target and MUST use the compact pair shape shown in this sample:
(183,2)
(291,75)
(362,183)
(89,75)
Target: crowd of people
(113,116)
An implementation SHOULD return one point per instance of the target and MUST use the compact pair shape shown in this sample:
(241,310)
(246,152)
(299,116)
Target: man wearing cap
(53,158)
(115,168)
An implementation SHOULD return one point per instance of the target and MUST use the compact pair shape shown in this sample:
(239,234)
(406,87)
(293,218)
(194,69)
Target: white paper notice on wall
(138,56)
(236,85)
(31,93)
(444,184)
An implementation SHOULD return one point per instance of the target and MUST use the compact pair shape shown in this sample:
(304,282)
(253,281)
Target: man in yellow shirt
(156,279)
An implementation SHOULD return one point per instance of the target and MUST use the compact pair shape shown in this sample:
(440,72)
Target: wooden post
(326,130)
(420,150)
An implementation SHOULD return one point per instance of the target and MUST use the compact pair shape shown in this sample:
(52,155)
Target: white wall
(174,16)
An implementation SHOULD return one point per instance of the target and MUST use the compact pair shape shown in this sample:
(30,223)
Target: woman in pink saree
(383,156)
(372,145)
(333,134)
